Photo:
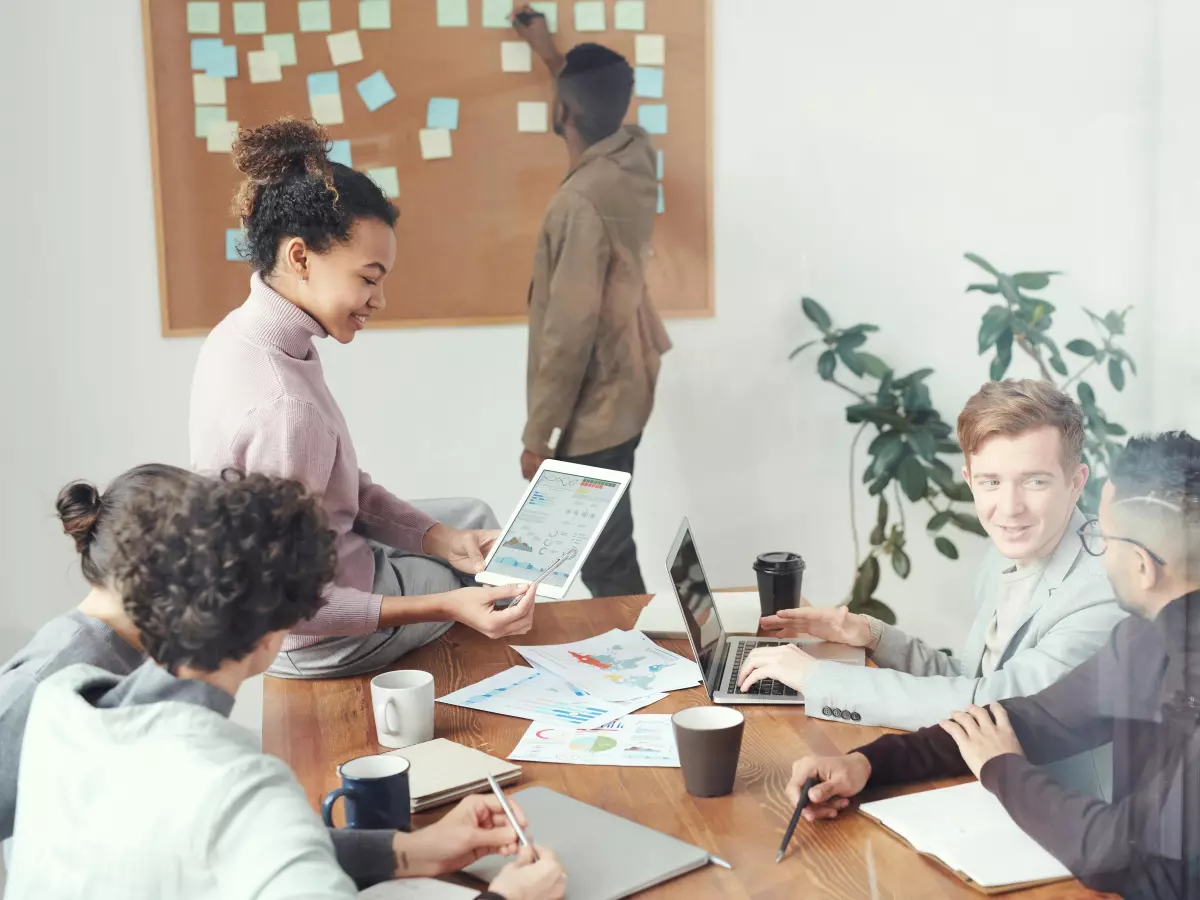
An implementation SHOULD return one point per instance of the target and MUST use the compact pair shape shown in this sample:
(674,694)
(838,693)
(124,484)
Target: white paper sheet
(645,740)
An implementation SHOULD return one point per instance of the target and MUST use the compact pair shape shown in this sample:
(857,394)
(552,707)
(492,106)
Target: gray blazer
(1070,616)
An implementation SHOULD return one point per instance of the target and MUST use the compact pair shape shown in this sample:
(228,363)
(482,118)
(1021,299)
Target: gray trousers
(397,574)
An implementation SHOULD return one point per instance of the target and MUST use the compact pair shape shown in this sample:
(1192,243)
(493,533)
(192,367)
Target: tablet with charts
(555,526)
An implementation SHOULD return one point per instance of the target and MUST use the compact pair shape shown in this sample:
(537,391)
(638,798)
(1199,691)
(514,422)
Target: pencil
(512,819)
(791,829)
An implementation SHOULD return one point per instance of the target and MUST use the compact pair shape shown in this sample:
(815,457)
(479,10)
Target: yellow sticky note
(531,117)
(374,15)
(629,15)
(590,15)
(435,143)
(516,56)
(264,66)
(250,18)
(344,48)
(221,136)
(387,179)
(204,17)
(283,46)
(206,116)
(327,109)
(207,90)
(650,50)
(314,15)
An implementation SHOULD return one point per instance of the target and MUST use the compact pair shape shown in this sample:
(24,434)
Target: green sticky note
(387,179)
(205,116)
(496,13)
(629,15)
(314,15)
(204,17)
(284,46)
(452,14)
(589,16)
(549,9)
(250,18)
(374,15)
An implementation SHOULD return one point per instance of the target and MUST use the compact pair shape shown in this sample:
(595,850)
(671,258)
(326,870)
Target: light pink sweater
(260,404)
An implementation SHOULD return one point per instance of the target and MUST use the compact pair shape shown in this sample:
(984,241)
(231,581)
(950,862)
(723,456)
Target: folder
(442,771)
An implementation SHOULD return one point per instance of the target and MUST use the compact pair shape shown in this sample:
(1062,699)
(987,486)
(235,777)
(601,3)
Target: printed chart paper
(646,740)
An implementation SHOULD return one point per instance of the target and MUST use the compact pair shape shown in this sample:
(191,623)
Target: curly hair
(293,189)
(207,570)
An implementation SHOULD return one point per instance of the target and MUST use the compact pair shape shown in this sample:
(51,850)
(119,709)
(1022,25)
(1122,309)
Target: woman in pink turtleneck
(320,237)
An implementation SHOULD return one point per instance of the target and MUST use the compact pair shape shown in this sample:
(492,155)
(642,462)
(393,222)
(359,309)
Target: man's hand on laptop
(835,624)
(838,779)
(785,663)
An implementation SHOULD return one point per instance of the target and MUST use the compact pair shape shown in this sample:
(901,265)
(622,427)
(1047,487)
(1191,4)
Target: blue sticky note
(340,153)
(443,113)
(226,65)
(376,91)
(322,84)
(658,166)
(662,204)
(206,53)
(648,82)
(653,117)
(234,245)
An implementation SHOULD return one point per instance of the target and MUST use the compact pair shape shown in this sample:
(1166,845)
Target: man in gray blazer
(1044,605)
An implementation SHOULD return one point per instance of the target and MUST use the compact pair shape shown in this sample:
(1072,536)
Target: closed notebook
(443,771)
(661,618)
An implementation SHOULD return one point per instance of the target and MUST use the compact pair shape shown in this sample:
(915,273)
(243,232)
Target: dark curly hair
(596,83)
(208,569)
(292,189)
(86,514)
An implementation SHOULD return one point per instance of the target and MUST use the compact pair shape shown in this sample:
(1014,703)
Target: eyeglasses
(1095,542)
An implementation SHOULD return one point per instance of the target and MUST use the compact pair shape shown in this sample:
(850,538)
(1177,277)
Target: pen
(718,861)
(512,819)
(791,829)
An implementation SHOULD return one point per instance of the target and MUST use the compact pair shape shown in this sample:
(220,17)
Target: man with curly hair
(142,782)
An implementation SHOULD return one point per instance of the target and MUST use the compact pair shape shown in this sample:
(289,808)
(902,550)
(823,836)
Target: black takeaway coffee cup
(779,581)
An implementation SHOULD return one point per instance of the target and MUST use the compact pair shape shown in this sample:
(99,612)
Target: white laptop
(719,655)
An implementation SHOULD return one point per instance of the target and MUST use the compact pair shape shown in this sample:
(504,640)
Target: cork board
(469,223)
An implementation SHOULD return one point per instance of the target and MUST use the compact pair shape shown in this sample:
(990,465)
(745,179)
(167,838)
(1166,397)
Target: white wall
(860,150)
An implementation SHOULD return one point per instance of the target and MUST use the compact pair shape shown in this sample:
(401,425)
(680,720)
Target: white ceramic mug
(403,705)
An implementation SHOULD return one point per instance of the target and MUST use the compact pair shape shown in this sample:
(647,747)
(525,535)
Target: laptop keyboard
(768,687)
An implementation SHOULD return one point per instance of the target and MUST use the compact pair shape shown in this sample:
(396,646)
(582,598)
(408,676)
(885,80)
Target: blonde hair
(1011,408)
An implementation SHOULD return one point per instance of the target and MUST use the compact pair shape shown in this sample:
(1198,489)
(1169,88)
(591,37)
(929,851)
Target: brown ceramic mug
(709,739)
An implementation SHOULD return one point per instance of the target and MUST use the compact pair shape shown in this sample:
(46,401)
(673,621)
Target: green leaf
(1116,374)
(882,440)
(826,363)
(901,563)
(913,479)
(1033,281)
(881,514)
(886,459)
(916,398)
(1117,430)
(995,320)
(876,608)
(1011,294)
(850,340)
(1057,364)
(879,484)
(983,288)
(946,547)
(968,523)
(862,329)
(1087,397)
(816,314)
(852,360)
(1003,357)
(1125,358)
(875,366)
(1115,322)
(938,521)
(801,349)
(982,263)
(1081,347)
(867,580)
(884,396)
(923,443)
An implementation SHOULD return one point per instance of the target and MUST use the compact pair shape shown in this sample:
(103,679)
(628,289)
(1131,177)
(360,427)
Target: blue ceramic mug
(376,792)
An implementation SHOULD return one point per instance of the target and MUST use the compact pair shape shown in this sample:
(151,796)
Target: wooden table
(316,725)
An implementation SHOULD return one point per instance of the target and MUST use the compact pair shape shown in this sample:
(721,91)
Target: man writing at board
(595,340)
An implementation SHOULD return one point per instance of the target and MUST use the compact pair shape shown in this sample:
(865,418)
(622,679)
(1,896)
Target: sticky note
(589,15)
(629,15)
(344,48)
(206,52)
(658,166)
(451,14)
(650,50)
(339,152)
(204,17)
(226,65)
(264,66)
(205,116)
(662,203)
(442,113)
(653,117)
(283,46)
(647,82)
(234,244)
(496,13)
(314,15)
(531,117)
(374,15)
(221,136)
(327,109)
(516,56)
(207,90)
(549,9)
(323,83)
(250,18)
(435,143)
(376,91)
(387,179)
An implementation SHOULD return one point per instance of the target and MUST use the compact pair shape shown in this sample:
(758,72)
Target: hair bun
(78,507)
(278,150)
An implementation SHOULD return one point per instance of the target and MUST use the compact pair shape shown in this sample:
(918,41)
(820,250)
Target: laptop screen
(696,600)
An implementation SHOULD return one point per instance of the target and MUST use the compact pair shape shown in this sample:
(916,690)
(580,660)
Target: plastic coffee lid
(779,561)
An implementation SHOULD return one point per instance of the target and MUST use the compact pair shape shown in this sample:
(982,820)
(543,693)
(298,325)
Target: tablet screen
(562,512)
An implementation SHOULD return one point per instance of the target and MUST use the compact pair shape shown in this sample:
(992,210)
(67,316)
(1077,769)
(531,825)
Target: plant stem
(1070,381)
(853,515)
(849,390)
(900,507)
(1037,357)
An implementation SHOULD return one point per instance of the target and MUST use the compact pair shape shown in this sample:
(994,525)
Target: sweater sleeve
(921,755)
(366,855)
(384,517)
